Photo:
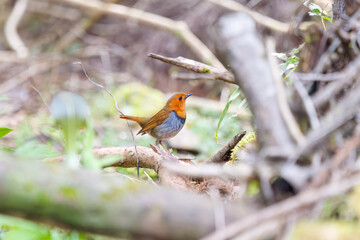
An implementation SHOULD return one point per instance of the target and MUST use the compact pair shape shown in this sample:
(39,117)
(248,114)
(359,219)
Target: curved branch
(11,34)
(259,18)
(226,150)
(286,207)
(103,203)
(178,28)
(147,159)
(198,67)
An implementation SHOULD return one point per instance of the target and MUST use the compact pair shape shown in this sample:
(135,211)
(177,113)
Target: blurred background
(113,50)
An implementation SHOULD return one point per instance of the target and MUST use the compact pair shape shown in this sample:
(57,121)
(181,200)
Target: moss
(206,70)
(69,192)
(43,198)
(29,186)
(127,188)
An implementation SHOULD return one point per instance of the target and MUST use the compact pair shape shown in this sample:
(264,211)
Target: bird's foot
(161,152)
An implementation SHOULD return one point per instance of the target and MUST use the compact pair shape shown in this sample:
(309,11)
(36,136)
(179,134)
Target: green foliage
(316,10)
(4,131)
(133,98)
(34,149)
(291,61)
(353,201)
(326,230)
(12,228)
(71,113)
(234,95)
(253,188)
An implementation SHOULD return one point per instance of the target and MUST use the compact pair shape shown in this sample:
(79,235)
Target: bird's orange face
(177,103)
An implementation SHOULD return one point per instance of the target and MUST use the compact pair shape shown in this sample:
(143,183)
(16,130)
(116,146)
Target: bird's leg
(162,152)
(158,148)
(160,142)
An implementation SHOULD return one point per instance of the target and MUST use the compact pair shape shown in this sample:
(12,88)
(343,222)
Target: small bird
(167,122)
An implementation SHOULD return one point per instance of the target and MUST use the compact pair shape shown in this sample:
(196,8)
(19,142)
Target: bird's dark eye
(180,98)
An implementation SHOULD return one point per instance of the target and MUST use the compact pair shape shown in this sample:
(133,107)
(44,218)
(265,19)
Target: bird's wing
(155,120)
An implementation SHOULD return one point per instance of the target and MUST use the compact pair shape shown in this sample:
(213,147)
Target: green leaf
(4,131)
(315,8)
(233,96)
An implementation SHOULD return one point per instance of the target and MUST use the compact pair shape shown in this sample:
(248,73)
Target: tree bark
(241,44)
(339,9)
(103,203)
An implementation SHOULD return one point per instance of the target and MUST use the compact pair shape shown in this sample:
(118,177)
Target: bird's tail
(139,120)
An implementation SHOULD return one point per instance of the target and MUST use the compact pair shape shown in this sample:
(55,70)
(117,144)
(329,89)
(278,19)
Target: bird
(167,122)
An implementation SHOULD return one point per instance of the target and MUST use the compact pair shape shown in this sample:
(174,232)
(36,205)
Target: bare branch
(344,111)
(255,79)
(33,70)
(347,77)
(243,172)
(197,67)
(285,207)
(104,203)
(226,150)
(286,113)
(11,34)
(308,103)
(178,28)
(259,18)
(118,109)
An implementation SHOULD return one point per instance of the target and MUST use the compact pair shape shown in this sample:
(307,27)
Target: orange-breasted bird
(167,122)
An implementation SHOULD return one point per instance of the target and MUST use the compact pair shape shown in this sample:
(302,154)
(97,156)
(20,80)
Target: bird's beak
(188,95)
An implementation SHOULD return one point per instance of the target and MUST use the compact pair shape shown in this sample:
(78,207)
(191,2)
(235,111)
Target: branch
(11,34)
(344,111)
(345,78)
(102,203)
(178,28)
(226,150)
(78,30)
(259,18)
(265,21)
(286,207)
(240,43)
(197,67)
(35,69)
(242,171)
(288,117)
(147,159)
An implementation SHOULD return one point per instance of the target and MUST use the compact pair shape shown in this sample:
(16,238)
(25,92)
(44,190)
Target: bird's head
(177,103)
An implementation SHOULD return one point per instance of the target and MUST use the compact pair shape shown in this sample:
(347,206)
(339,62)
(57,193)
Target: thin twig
(286,113)
(220,155)
(350,70)
(241,171)
(24,75)
(11,34)
(33,87)
(285,207)
(331,90)
(47,106)
(259,18)
(178,28)
(118,109)
(344,111)
(326,56)
(197,67)
(308,104)
(79,29)
(150,179)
